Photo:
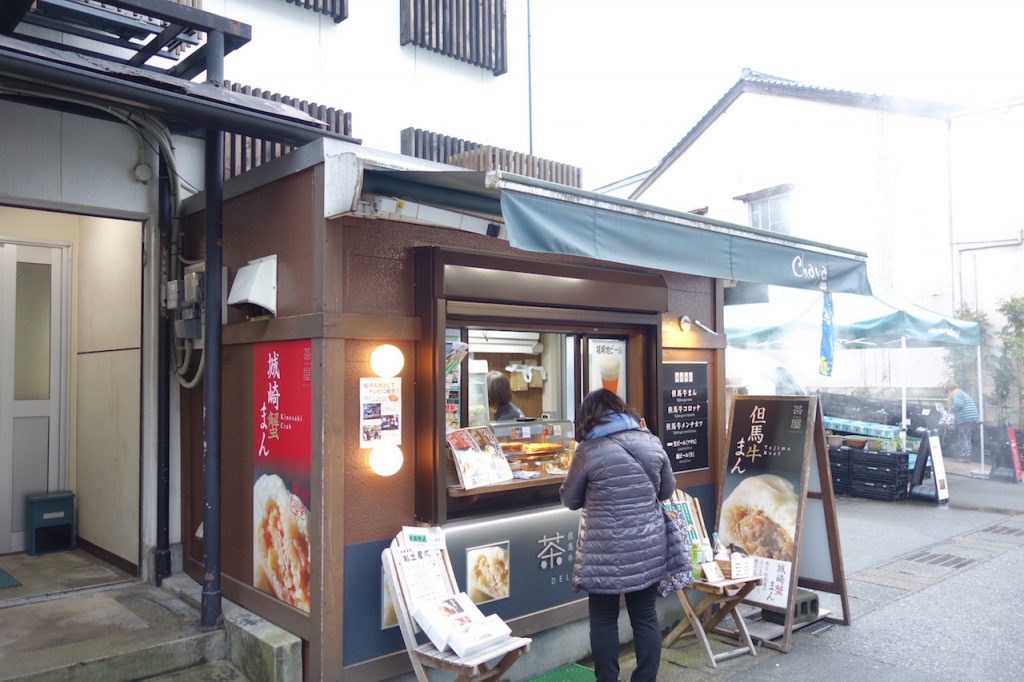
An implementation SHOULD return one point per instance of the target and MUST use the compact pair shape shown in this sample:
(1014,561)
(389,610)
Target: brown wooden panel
(472,31)
(275,220)
(375,507)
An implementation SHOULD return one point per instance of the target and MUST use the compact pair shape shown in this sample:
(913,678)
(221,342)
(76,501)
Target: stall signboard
(607,362)
(778,507)
(684,388)
(511,566)
(282,411)
(380,411)
(764,487)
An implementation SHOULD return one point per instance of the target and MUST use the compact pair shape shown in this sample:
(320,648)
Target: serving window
(510,374)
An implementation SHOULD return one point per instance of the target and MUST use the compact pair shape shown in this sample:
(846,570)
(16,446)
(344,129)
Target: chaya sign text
(810,272)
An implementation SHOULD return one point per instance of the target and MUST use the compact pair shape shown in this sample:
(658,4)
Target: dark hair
(499,391)
(594,410)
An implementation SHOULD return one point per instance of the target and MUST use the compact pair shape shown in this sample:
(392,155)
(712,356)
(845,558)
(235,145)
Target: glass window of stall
(525,385)
(510,347)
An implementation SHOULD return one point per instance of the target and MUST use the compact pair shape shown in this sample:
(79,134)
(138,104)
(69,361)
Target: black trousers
(604,634)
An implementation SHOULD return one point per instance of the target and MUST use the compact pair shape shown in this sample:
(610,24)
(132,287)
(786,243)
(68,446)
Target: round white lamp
(386,459)
(386,360)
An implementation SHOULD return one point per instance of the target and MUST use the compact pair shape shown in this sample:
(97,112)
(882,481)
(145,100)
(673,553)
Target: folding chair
(472,668)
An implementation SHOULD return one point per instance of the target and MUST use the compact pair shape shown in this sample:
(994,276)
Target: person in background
(499,398)
(965,420)
(617,476)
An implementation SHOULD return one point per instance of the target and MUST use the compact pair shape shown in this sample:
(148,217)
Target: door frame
(58,466)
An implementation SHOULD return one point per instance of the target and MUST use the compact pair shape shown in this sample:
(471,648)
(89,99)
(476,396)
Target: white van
(749,372)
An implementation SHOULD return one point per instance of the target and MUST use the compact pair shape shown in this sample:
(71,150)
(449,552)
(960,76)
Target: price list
(685,419)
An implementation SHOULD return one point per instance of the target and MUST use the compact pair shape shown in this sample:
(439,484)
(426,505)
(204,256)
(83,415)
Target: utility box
(49,522)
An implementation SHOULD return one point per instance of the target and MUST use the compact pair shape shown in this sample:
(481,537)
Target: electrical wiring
(138,123)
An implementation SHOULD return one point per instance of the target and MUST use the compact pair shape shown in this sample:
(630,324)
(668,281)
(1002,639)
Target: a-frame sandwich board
(776,466)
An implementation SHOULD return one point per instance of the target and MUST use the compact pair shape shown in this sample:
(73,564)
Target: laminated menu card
(455,621)
(479,459)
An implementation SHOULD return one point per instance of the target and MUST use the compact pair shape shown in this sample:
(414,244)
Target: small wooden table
(726,595)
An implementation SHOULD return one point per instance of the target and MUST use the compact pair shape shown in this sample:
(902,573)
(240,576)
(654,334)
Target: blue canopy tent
(877,321)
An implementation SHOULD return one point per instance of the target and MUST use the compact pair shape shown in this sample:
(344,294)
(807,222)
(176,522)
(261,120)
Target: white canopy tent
(862,322)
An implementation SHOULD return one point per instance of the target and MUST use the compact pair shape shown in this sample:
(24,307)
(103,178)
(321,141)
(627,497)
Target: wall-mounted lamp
(386,360)
(684,323)
(386,459)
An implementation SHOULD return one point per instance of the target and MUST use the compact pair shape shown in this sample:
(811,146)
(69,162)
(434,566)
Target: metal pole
(529,73)
(162,555)
(981,411)
(211,601)
(903,380)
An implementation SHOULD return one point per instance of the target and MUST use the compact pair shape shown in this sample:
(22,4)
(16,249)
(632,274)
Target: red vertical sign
(1013,451)
(282,412)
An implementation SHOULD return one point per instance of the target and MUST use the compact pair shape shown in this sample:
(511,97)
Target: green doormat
(6,580)
(567,673)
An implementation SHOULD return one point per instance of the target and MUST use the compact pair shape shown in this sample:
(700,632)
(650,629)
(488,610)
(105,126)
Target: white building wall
(359,66)
(988,215)
(863,179)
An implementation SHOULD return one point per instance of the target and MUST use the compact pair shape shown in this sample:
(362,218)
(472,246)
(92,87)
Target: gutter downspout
(214,181)
(162,555)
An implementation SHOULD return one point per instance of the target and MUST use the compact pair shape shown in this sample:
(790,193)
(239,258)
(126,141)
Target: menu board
(685,418)
(764,489)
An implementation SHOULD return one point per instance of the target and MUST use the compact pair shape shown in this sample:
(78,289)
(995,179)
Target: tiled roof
(755,82)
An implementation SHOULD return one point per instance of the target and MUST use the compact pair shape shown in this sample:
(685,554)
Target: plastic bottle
(721,553)
(695,561)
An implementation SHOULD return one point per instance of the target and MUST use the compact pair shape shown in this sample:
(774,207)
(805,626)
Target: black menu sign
(685,397)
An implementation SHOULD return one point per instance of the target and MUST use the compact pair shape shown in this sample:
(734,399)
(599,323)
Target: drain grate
(944,560)
(1006,530)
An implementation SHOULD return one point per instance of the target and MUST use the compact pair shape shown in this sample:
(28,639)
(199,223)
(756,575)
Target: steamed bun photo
(280,551)
(487,573)
(760,517)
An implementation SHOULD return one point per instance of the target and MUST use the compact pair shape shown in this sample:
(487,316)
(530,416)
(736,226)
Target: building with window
(870,172)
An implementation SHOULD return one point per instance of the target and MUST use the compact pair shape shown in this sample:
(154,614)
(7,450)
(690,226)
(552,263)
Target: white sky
(616,83)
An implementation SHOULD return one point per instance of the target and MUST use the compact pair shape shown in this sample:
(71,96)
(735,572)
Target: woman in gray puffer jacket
(617,473)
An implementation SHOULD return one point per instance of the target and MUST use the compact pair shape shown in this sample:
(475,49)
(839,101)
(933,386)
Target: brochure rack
(474,667)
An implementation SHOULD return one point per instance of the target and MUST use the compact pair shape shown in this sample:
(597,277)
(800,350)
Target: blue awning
(678,243)
(545,217)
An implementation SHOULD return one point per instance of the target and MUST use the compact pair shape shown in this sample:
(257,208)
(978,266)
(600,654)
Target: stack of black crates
(870,473)
(839,463)
(879,475)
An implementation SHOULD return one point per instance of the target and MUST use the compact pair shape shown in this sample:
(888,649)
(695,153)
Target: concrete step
(131,633)
(256,647)
(218,671)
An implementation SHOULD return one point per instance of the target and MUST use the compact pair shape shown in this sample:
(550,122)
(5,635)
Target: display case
(539,452)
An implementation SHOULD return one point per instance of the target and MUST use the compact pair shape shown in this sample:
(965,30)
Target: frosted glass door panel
(32,332)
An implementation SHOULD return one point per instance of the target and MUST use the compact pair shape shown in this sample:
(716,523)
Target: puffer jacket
(621,547)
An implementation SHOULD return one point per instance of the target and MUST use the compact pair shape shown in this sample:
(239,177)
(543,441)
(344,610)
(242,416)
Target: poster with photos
(487,572)
(607,361)
(380,411)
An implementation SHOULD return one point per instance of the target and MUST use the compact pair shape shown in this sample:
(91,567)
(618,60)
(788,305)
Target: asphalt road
(934,591)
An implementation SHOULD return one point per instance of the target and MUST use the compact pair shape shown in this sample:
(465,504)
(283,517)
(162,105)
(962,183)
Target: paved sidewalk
(934,593)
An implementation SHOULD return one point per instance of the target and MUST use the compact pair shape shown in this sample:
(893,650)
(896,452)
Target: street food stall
(450,275)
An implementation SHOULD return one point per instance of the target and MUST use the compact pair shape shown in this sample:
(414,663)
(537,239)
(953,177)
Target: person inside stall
(499,397)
